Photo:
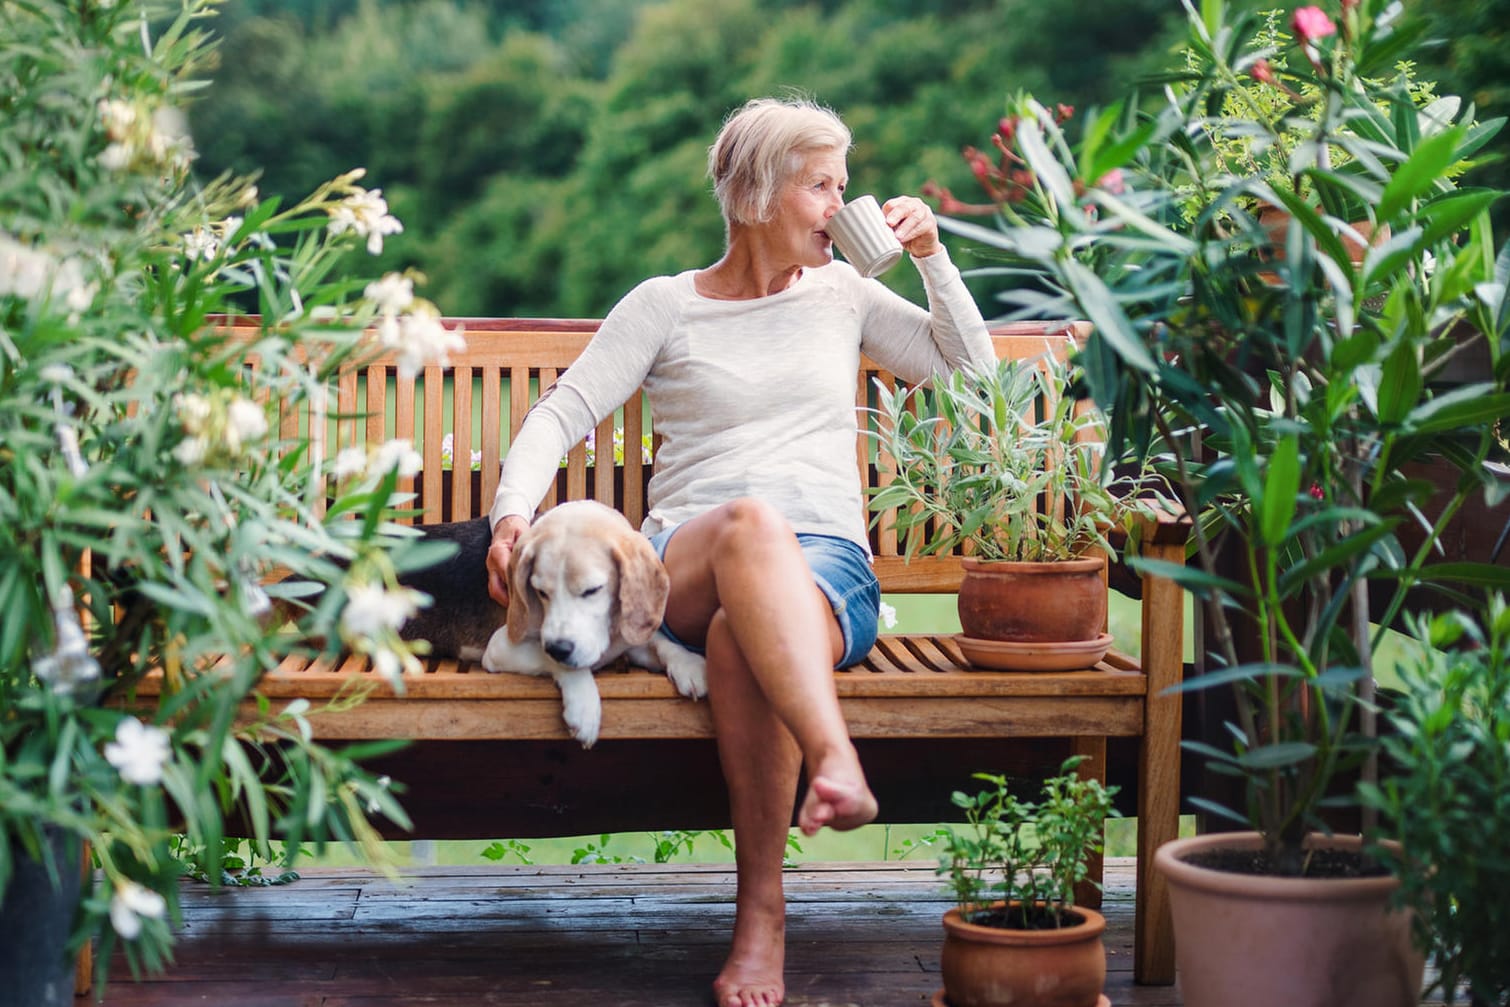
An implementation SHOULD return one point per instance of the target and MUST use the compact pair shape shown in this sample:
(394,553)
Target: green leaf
(1400,383)
(1481,574)
(1471,407)
(1418,175)
(1254,672)
(1192,578)
(185,601)
(1281,491)
(1278,755)
(1111,322)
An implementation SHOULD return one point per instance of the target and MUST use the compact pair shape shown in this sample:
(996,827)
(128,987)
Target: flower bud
(1311,23)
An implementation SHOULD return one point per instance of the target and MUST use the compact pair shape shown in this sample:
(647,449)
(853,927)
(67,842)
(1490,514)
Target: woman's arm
(610,369)
(905,339)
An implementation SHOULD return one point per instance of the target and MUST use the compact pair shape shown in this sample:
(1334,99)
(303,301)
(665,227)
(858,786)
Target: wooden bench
(491,758)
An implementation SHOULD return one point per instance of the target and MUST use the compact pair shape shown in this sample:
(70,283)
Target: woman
(755,506)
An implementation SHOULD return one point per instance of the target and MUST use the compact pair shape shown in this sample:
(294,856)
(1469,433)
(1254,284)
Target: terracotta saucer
(939,1001)
(1006,655)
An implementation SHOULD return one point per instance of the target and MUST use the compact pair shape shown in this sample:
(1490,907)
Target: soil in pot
(1319,863)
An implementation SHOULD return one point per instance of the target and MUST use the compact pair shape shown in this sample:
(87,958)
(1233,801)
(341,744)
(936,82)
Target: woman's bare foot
(753,974)
(837,804)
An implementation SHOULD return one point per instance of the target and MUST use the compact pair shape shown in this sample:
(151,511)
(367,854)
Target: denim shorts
(842,572)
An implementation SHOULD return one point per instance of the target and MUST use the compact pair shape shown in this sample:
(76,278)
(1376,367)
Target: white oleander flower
(365,213)
(422,340)
(397,454)
(118,117)
(138,751)
(245,422)
(115,157)
(193,411)
(168,141)
(70,664)
(374,611)
(888,616)
(392,294)
(132,903)
(349,463)
(191,450)
(201,243)
(23,270)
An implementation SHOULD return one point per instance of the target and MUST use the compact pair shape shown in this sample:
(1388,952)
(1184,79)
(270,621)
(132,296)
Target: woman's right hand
(505,534)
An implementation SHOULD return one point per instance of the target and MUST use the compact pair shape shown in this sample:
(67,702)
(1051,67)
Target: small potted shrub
(1445,799)
(1004,465)
(1012,868)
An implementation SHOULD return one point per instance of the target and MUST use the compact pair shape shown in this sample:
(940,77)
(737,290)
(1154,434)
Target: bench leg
(83,969)
(1158,770)
(1088,892)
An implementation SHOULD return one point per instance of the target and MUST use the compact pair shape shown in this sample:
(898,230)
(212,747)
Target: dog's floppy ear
(525,611)
(643,588)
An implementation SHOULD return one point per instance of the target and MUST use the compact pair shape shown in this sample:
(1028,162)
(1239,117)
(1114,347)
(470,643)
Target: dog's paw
(687,671)
(502,654)
(581,707)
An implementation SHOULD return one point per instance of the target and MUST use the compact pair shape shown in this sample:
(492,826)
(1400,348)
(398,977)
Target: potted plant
(1015,935)
(1004,465)
(1293,405)
(146,501)
(1445,800)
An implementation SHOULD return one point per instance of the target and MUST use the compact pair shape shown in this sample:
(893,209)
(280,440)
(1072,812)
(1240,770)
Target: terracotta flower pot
(1061,602)
(994,967)
(1244,940)
(1275,220)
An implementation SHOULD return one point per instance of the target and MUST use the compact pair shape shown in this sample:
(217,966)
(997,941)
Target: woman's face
(812,195)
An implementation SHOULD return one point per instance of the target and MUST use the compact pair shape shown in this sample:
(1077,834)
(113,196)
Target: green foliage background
(546,155)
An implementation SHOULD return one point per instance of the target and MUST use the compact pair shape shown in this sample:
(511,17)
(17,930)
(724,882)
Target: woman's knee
(748,520)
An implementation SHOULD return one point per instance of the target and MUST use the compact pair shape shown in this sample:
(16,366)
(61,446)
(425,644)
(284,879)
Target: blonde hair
(761,146)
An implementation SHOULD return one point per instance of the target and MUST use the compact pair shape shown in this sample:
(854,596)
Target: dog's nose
(560,650)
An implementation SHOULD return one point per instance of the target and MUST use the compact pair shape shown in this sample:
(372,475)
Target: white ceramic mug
(863,237)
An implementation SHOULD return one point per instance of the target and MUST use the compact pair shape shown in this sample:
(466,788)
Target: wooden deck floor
(859,935)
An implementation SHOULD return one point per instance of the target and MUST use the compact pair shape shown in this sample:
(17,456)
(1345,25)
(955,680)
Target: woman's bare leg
(761,791)
(742,559)
(771,640)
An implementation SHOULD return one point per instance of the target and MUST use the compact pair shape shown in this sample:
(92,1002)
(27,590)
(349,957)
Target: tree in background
(545,157)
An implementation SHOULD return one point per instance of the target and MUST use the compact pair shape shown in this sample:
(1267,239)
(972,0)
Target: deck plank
(618,935)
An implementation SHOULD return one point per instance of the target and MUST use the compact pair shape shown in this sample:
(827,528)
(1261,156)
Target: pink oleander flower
(1311,23)
(1262,72)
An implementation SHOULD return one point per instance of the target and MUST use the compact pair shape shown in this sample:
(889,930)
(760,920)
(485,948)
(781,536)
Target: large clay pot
(1061,602)
(995,967)
(36,917)
(1244,940)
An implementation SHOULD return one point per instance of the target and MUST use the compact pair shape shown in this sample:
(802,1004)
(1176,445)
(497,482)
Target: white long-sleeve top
(752,398)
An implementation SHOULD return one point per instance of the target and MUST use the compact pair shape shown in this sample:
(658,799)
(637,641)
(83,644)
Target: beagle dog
(586,588)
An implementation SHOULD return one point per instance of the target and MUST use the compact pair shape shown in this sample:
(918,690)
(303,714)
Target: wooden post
(1159,765)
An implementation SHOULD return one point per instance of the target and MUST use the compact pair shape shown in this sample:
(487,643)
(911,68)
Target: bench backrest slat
(464,405)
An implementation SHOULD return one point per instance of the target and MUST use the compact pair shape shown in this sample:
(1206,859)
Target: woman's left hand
(915,226)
